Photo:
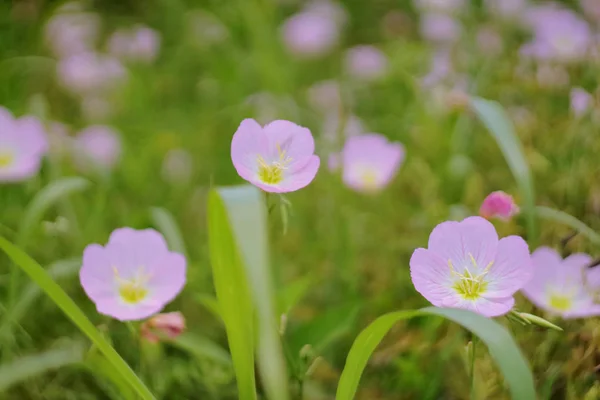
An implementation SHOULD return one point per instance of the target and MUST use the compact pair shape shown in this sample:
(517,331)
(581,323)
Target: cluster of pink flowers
(139,43)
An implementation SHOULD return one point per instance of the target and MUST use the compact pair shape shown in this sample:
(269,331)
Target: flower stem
(472,372)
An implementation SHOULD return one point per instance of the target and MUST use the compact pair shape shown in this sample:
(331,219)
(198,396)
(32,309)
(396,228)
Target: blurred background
(142,99)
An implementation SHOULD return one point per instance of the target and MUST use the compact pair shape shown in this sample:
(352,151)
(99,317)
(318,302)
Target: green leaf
(202,347)
(493,116)
(211,304)
(501,346)
(41,277)
(238,233)
(104,372)
(36,364)
(166,224)
(561,217)
(291,294)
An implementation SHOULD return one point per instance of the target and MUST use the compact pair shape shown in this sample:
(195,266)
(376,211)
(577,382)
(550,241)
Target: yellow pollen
(468,285)
(272,173)
(561,302)
(6,158)
(369,178)
(134,290)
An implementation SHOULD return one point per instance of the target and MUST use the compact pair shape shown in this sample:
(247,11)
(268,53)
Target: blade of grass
(248,219)
(235,304)
(46,198)
(36,364)
(41,277)
(561,217)
(166,224)
(493,116)
(500,343)
(202,347)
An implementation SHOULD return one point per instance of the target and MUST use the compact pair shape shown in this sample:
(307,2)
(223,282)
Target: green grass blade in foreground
(499,125)
(247,217)
(500,343)
(551,214)
(29,366)
(166,224)
(68,306)
(235,304)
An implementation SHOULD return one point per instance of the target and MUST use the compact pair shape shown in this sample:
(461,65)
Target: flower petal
(301,178)
(248,143)
(167,279)
(296,141)
(124,312)
(511,270)
(431,276)
(96,275)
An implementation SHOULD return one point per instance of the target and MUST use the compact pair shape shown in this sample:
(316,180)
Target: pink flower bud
(168,325)
(498,205)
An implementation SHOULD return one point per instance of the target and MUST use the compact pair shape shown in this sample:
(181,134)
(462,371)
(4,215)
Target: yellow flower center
(369,178)
(6,158)
(561,302)
(272,173)
(470,286)
(133,290)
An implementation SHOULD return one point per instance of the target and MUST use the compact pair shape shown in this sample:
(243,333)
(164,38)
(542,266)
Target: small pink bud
(168,325)
(498,205)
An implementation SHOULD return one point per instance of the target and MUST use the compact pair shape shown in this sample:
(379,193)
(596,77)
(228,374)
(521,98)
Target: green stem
(472,371)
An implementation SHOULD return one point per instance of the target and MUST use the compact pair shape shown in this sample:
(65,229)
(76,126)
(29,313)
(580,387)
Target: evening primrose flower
(498,205)
(97,147)
(134,276)
(169,325)
(278,157)
(466,266)
(369,162)
(23,143)
(563,287)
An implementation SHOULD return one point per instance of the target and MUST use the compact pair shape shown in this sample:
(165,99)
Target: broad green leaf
(202,347)
(551,214)
(41,277)
(166,224)
(58,270)
(500,343)
(29,366)
(245,214)
(493,116)
(233,294)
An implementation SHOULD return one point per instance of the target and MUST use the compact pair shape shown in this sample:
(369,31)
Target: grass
(353,249)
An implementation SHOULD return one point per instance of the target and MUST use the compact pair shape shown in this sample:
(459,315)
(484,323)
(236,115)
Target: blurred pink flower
(441,6)
(278,158)
(369,162)
(328,9)
(489,41)
(83,73)
(134,276)
(366,62)
(177,166)
(563,287)
(440,28)
(498,205)
(97,147)
(23,143)
(69,33)
(325,96)
(581,101)
(560,35)
(169,325)
(310,34)
(466,266)
(441,68)
(591,9)
(138,43)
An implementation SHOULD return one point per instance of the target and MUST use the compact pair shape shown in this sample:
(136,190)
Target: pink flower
(563,287)
(68,33)
(369,162)
(581,101)
(139,43)
(498,205)
(134,276)
(278,158)
(97,147)
(508,9)
(366,62)
(168,325)
(310,34)
(90,72)
(440,28)
(23,143)
(325,96)
(466,266)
